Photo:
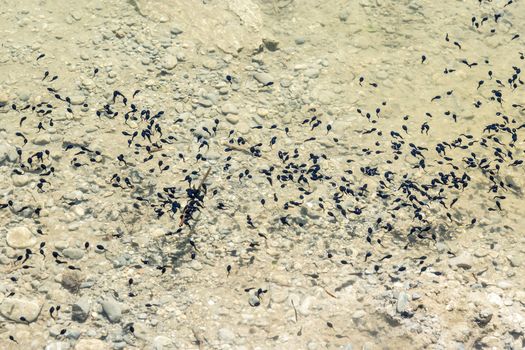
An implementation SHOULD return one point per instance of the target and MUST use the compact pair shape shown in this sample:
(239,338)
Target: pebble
(343,15)
(73,253)
(7,153)
(205,102)
(263,78)
(112,310)
(42,139)
(253,300)
(515,260)
(402,302)
(13,309)
(176,31)
(20,237)
(303,309)
(78,99)
(58,345)
(20,180)
(312,73)
(299,41)
(80,309)
(229,108)
(169,62)
(226,335)
(162,343)
(494,299)
(91,344)
(358,314)
(463,261)
(271,44)
(4,99)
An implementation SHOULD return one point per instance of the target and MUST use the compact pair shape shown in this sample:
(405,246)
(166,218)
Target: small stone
(463,261)
(58,345)
(484,317)
(73,253)
(176,31)
(71,280)
(24,96)
(262,112)
(504,284)
(402,302)
(343,15)
(299,41)
(7,153)
(226,335)
(254,300)
(312,73)
(78,99)
(20,237)
(515,260)
(358,314)
(205,102)
(14,309)
(494,299)
(196,265)
(91,344)
(42,139)
(210,64)
(80,310)
(304,308)
(263,78)
(20,180)
(271,44)
(161,343)
(169,62)
(112,310)
(4,99)
(229,108)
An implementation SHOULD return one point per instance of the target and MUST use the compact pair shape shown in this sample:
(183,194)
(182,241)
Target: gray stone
(463,261)
(254,300)
(91,344)
(72,334)
(229,108)
(73,253)
(343,15)
(483,317)
(15,309)
(271,44)
(515,260)
(42,139)
(20,180)
(80,310)
(299,41)
(161,342)
(226,335)
(4,99)
(169,62)
(112,310)
(176,31)
(20,237)
(58,345)
(402,302)
(7,153)
(205,102)
(78,99)
(311,73)
(263,78)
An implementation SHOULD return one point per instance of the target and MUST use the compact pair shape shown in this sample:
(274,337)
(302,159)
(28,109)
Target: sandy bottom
(262,174)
